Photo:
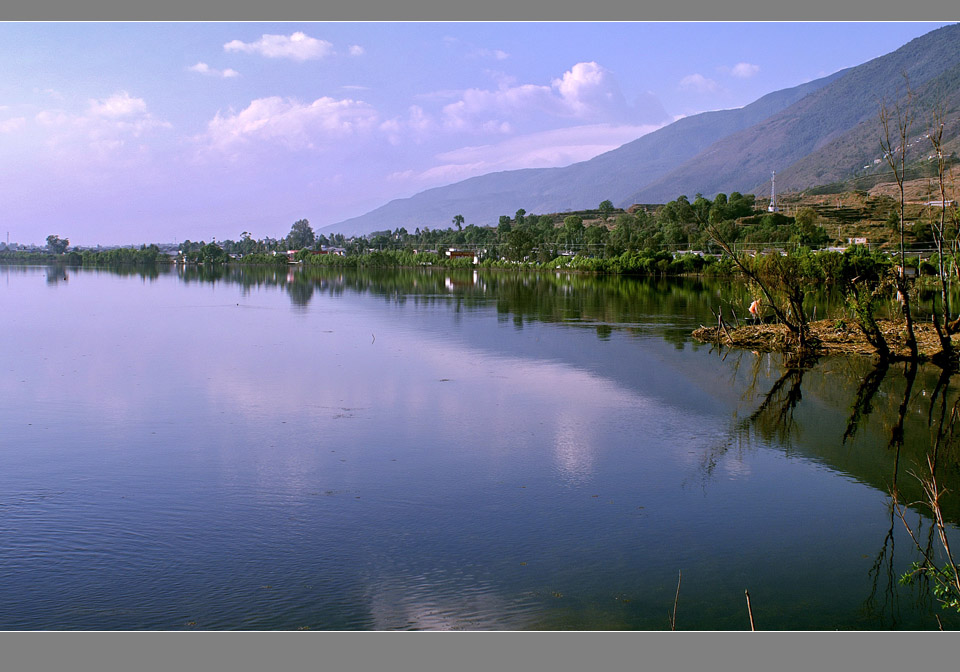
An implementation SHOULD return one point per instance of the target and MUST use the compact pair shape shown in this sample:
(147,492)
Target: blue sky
(123,133)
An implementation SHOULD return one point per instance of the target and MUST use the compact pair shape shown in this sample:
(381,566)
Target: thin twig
(749,610)
(724,326)
(673,621)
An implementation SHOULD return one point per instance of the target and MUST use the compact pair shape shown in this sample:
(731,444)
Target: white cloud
(744,70)
(545,149)
(357,50)
(416,126)
(52,118)
(204,69)
(589,88)
(291,124)
(587,92)
(117,106)
(12,125)
(699,83)
(298,46)
(56,95)
(496,54)
(111,129)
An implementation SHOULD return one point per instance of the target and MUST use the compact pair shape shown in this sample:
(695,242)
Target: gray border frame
(282,651)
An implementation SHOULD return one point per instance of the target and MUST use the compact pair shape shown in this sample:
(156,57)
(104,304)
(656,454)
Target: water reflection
(509,451)
(914,431)
(605,304)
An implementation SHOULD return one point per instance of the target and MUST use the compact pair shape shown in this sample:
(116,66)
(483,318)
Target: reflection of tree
(863,402)
(300,292)
(896,433)
(775,414)
(882,604)
(911,441)
(670,308)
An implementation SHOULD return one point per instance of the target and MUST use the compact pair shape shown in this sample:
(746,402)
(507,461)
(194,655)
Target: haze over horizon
(118,133)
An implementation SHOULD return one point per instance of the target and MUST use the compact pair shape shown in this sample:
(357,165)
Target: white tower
(773,193)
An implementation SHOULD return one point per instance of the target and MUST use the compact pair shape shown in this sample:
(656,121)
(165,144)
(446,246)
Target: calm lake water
(260,449)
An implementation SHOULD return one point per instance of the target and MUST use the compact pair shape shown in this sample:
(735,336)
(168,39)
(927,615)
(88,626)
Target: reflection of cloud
(736,467)
(411,603)
(573,448)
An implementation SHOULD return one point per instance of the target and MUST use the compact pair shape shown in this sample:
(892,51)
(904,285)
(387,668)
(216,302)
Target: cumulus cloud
(113,129)
(496,54)
(53,93)
(587,92)
(588,89)
(291,124)
(417,125)
(357,50)
(557,147)
(744,70)
(12,125)
(298,47)
(699,83)
(204,69)
(117,106)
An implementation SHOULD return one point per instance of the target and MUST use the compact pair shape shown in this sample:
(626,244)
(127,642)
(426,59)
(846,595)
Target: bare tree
(778,278)
(935,134)
(898,121)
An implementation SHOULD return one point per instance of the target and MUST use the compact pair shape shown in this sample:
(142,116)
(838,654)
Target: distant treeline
(658,242)
(121,256)
(816,266)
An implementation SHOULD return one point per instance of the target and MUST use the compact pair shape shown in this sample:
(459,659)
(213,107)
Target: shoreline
(827,337)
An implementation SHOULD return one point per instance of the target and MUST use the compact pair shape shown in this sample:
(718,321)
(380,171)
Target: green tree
(808,230)
(595,237)
(519,217)
(606,209)
(519,244)
(211,253)
(572,230)
(458,222)
(301,235)
(57,245)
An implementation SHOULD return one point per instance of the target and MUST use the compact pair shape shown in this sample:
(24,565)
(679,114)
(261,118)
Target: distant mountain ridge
(711,152)
(743,161)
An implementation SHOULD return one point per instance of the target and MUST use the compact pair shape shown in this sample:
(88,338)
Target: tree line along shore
(781,256)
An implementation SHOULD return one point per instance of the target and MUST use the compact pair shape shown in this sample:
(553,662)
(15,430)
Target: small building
(454,253)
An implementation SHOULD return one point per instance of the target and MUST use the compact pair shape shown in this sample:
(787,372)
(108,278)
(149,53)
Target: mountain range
(822,131)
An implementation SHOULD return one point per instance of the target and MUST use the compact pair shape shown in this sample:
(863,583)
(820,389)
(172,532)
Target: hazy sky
(145,132)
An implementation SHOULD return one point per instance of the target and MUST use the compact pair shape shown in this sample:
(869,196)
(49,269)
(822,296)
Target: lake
(280,449)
